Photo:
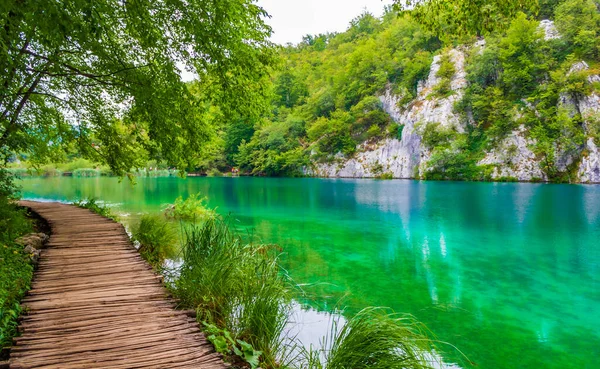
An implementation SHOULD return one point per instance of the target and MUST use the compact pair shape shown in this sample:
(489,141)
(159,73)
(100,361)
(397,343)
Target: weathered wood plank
(95,303)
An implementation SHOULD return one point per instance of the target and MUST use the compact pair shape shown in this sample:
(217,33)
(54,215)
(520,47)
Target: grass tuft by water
(157,239)
(236,286)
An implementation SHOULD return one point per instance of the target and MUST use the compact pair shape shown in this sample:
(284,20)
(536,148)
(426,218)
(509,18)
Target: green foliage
(578,21)
(448,18)
(547,8)
(16,270)
(112,68)
(523,56)
(593,127)
(157,239)
(445,74)
(376,339)
(213,172)
(289,90)
(454,155)
(86,173)
(193,209)
(15,278)
(92,204)
(387,175)
(235,286)
(226,345)
(434,135)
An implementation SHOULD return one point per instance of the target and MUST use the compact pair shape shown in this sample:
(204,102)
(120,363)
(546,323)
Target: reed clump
(235,286)
(157,239)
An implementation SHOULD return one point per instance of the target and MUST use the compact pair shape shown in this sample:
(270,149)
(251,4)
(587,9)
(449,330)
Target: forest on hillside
(325,95)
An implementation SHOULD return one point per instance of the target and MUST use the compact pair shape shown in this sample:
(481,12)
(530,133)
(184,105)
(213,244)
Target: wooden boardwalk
(95,303)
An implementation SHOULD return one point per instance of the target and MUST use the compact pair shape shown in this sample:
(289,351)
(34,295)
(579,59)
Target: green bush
(434,135)
(395,130)
(214,172)
(192,209)
(373,132)
(157,239)
(446,72)
(578,22)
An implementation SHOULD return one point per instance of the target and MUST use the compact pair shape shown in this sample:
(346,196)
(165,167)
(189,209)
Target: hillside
(388,98)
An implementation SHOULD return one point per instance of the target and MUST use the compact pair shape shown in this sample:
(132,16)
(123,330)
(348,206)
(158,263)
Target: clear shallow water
(508,273)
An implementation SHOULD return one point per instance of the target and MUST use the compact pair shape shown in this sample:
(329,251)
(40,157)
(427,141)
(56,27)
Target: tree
(466,17)
(102,75)
(578,21)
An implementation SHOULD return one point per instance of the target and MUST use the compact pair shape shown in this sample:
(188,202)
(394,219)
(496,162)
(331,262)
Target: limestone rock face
(550,31)
(514,158)
(589,169)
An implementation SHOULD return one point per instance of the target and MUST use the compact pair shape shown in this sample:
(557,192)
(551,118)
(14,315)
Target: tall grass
(92,204)
(236,286)
(375,338)
(157,239)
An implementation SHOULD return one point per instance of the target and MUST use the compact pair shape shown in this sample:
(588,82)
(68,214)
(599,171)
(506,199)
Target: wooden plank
(95,303)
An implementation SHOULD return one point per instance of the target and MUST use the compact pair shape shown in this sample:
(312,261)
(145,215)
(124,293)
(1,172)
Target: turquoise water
(508,273)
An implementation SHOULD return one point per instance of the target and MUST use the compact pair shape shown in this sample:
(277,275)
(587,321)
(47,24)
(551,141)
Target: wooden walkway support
(95,303)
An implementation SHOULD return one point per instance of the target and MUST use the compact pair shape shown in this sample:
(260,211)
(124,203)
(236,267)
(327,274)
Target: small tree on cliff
(102,76)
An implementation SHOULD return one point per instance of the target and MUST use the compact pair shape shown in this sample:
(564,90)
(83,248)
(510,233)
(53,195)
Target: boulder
(35,240)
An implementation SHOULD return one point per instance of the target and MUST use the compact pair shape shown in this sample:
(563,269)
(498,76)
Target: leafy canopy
(466,17)
(101,77)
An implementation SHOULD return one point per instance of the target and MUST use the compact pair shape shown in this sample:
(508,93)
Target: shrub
(395,130)
(214,172)
(157,239)
(447,70)
(386,175)
(191,209)
(373,132)
(435,135)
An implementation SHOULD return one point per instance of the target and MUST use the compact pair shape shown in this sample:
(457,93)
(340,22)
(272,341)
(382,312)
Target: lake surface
(508,273)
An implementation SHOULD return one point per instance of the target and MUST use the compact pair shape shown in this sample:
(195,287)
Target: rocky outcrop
(550,31)
(589,169)
(403,158)
(513,158)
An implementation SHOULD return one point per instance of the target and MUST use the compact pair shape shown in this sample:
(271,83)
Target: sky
(292,19)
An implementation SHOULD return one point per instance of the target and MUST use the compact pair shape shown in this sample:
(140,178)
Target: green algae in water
(509,273)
